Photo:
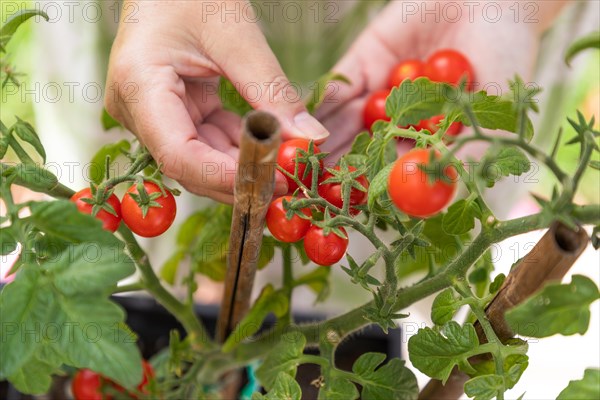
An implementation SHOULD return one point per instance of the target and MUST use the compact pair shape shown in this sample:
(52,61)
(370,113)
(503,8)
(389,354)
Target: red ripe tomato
(157,219)
(375,108)
(324,249)
(432,123)
(109,222)
(409,69)
(283,229)
(286,159)
(449,66)
(332,192)
(87,384)
(410,189)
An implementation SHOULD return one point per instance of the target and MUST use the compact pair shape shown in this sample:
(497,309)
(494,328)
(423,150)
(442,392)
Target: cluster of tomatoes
(89,385)
(323,247)
(448,66)
(159,216)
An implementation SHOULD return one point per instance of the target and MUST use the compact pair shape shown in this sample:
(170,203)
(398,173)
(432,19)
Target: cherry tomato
(157,219)
(432,123)
(109,222)
(148,376)
(324,249)
(449,66)
(409,69)
(332,192)
(283,229)
(410,189)
(87,384)
(286,159)
(375,108)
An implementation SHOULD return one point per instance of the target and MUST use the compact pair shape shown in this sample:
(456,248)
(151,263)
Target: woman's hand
(162,83)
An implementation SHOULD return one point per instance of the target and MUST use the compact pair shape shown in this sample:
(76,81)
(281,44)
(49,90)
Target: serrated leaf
(460,218)
(445,305)
(88,268)
(589,41)
(8,243)
(337,388)
(25,131)
(285,388)
(556,309)
(33,176)
(381,152)
(61,218)
(491,112)
(98,163)
(379,184)
(284,357)
(35,377)
(584,389)
(390,381)
(360,144)
(437,353)
(108,122)
(15,20)
(416,100)
(497,283)
(511,161)
(317,96)
(484,387)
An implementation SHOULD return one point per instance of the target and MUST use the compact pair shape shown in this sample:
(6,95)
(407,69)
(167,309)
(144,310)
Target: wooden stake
(549,260)
(255,183)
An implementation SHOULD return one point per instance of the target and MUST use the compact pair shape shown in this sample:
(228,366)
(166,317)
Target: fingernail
(309,127)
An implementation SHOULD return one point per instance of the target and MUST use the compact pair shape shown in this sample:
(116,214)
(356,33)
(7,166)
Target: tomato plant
(432,125)
(325,248)
(109,213)
(60,284)
(150,213)
(284,229)
(293,154)
(375,108)
(413,191)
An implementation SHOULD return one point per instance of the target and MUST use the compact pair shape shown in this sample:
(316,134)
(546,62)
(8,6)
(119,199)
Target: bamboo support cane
(549,260)
(254,186)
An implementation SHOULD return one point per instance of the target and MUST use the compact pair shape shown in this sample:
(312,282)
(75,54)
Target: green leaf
(360,144)
(338,388)
(231,99)
(33,177)
(416,100)
(491,112)
(24,306)
(557,308)
(15,20)
(445,305)
(35,377)
(379,184)
(168,272)
(510,161)
(25,131)
(285,388)
(61,218)
(320,89)
(108,122)
(436,353)
(318,281)
(590,41)
(86,268)
(484,387)
(98,163)
(283,357)
(8,243)
(583,389)
(267,252)
(381,151)
(390,381)
(460,218)
(268,301)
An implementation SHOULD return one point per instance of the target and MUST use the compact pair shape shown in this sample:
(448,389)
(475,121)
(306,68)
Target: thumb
(261,81)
